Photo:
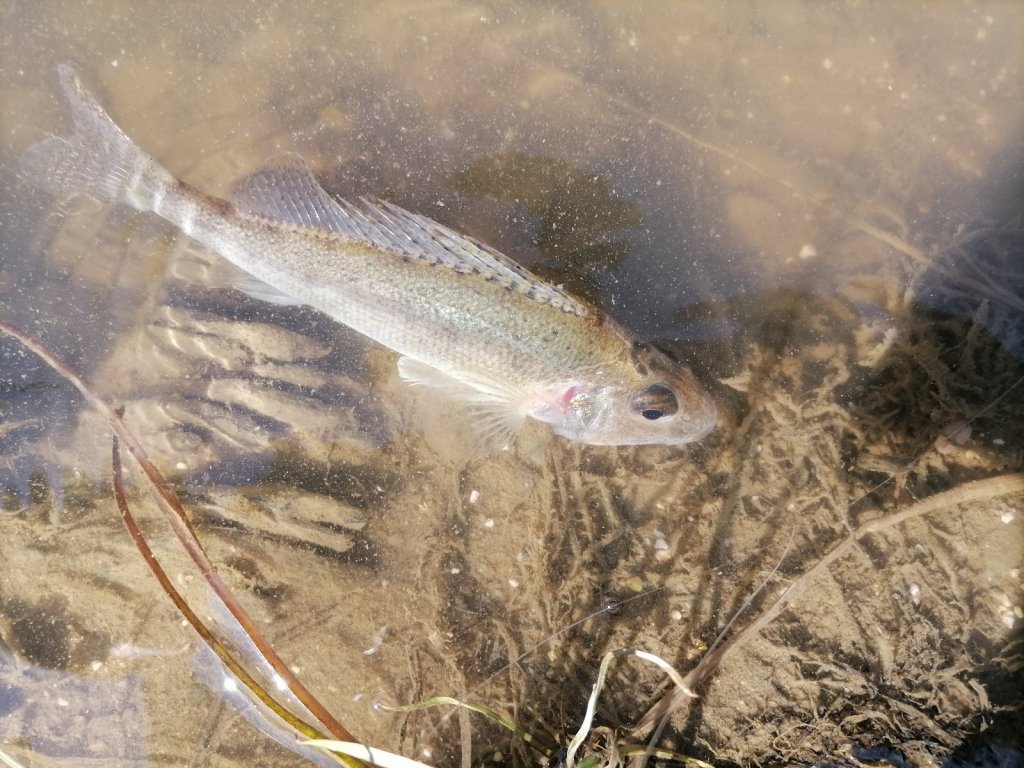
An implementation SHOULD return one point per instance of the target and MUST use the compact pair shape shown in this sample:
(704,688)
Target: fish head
(650,400)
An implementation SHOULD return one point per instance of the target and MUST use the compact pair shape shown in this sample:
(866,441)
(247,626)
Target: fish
(467,322)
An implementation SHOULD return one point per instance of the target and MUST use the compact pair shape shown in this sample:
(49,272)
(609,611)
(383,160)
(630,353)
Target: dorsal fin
(286,190)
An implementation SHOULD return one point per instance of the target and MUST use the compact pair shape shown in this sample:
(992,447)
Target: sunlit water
(778,192)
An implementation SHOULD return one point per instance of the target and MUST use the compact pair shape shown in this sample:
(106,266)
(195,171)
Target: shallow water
(817,206)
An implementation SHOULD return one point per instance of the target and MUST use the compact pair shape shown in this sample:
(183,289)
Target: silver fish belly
(466,321)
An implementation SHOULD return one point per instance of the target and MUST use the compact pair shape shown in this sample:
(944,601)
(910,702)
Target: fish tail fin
(98,161)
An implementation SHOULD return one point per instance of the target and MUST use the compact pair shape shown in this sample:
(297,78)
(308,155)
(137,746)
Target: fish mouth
(703,423)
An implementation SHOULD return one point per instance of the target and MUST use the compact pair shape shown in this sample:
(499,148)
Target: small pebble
(915,593)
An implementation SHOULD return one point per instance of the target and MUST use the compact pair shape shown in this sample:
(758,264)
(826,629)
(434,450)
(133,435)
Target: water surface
(817,206)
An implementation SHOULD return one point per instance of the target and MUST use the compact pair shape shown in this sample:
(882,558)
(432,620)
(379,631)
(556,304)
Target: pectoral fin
(493,412)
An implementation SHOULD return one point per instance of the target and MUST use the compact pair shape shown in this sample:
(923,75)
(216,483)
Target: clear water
(779,191)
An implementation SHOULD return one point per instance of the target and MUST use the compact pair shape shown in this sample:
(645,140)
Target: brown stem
(179,522)
(183,607)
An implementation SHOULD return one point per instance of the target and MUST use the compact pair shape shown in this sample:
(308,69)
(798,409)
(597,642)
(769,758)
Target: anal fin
(257,289)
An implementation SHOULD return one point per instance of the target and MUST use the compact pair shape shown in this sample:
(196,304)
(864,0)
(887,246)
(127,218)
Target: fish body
(465,320)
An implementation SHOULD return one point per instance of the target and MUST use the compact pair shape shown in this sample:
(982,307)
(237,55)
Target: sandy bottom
(872,468)
(835,570)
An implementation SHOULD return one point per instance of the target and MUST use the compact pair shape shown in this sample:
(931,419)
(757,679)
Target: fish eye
(654,401)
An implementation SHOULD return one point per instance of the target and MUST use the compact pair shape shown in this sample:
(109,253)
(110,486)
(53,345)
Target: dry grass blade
(371,755)
(585,726)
